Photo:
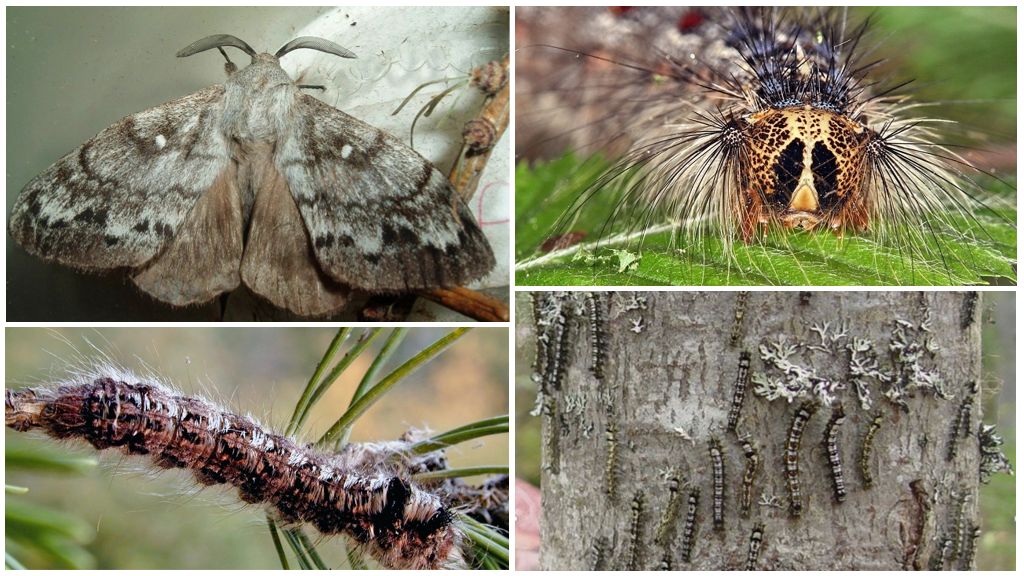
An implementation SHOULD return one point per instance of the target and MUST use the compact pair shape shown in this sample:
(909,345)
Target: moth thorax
(805,165)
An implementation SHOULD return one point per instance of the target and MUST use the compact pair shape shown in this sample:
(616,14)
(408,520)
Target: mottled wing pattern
(381,218)
(120,198)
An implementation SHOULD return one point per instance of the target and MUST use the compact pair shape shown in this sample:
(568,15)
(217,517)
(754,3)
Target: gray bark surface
(668,380)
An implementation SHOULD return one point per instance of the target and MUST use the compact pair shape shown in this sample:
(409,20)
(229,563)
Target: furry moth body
(399,523)
(253,182)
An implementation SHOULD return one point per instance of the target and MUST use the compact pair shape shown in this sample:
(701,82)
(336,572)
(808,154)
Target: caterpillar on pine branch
(738,123)
(363,492)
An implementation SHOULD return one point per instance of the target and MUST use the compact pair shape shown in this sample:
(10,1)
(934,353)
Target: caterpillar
(805,297)
(957,523)
(668,517)
(738,123)
(970,548)
(835,458)
(400,524)
(737,324)
(941,554)
(961,426)
(865,449)
(596,319)
(754,548)
(599,554)
(666,562)
(611,463)
(739,391)
(690,526)
(635,535)
(792,455)
(718,485)
(749,474)
(551,434)
(968,310)
(924,515)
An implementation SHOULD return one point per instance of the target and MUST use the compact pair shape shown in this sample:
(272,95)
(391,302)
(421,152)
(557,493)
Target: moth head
(804,167)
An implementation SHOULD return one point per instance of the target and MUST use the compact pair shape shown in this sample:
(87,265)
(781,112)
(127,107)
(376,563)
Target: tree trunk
(638,390)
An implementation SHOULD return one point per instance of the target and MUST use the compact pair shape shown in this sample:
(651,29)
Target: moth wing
(380,217)
(279,264)
(122,197)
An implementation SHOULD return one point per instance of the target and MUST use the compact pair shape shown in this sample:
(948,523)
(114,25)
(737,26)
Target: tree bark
(636,388)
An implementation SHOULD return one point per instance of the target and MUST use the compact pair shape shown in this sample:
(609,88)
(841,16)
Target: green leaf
(981,249)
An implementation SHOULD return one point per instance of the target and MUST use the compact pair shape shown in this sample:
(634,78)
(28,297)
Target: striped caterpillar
(737,324)
(749,473)
(356,492)
(690,527)
(739,391)
(668,518)
(635,561)
(736,123)
(865,449)
(611,463)
(718,485)
(792,456)
(970,548)
(962,422)
(835,458)
(598,345)
(754,549)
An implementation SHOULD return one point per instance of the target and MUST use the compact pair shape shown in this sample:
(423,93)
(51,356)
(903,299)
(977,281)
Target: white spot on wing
(161,141)
(346,150)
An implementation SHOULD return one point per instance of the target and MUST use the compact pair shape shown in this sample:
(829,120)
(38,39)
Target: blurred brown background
(143,519)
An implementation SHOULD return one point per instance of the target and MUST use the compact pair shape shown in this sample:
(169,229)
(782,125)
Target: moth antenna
(314,43)
(215,41)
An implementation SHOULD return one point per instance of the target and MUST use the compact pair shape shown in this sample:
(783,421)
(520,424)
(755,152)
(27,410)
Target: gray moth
(253,182)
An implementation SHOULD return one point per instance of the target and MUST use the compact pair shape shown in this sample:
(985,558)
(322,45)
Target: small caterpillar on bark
(749,473)
(690,527)
(718,485)
(835,458)
(754,549)
(739,391)
(635,560)
(865,449)
(792,456)
(355,492)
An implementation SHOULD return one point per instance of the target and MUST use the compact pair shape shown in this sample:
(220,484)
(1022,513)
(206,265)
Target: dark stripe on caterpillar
(957,523)
(968,310)
(718,484)
(635,526)
(399,523)
(690,527)
(668,518)
(749,474)
(754,549)
(792,456)
(865,449)
(835,458)
(739,391)
(596,319)
(737,325)
(611,463)
(970,548)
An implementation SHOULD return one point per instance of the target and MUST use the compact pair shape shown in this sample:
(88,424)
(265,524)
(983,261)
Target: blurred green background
(131,517)
(996,551)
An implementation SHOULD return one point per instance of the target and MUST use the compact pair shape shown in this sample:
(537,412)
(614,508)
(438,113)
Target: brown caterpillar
(792,456)
(718,485)
(690,527)
(635,535)
(399,523)
(835,457)
(749,473)
(668,518)
(739,391)
(754,549)
(866,447)
(737,325)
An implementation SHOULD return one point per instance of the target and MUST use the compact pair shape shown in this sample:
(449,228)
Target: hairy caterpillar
(690,527)
(668,518)
(598,344)
(957,523)
(970,548)
(941,554)
(792,455)
(754,549)
(635,561)
(718,484)
(737,324)
(599,554)
(611,463)
(835,458)
(739,391)
(735,123)
(865,449)
(356,492)
(968,310)
(962,422)
(749,473)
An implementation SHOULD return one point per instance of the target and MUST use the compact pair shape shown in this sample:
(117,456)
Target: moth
(252,182)
(359,492)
